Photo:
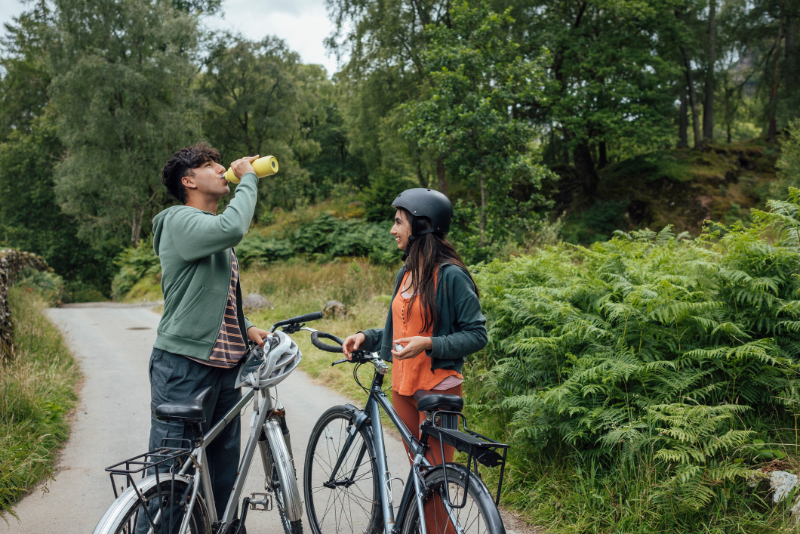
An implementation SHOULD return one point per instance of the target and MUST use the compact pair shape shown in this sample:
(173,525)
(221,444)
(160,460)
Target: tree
(478,83)
(385,42)
(260,101)
(612,75)
(124,101)
(30,218)
(711,58)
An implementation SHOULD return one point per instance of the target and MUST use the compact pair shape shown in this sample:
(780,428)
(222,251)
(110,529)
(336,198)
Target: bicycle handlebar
(324,346)
(297,320)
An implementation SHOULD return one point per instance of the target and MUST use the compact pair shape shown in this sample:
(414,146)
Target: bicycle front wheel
(126,515)
(349,502)
(478,516)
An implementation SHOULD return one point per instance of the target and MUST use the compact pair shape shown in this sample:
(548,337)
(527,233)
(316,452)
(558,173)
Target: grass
(296,287)
(37,392)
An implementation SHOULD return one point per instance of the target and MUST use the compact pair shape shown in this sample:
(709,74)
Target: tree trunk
(483,210)
(602,159)
(423,180)
(441,176)
(772,133)
(791,55)
(585,168)
(136,228)
(708,106)
(687,67)
(683,122)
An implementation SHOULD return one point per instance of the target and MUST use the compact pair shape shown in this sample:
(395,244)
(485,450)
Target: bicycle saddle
(188,411)
(428,401)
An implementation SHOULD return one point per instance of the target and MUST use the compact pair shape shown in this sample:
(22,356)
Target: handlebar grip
(324,346)
(307,317)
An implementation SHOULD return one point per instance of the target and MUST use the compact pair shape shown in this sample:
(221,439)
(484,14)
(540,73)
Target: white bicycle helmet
(263,370)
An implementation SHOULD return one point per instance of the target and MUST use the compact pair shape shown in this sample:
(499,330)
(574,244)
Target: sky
(303,24)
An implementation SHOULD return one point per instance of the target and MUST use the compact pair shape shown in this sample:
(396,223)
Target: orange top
(415,373)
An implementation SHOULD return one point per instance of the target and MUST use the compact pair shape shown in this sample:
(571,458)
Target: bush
(651,349)
(48,285)
(325,238)
(134,264)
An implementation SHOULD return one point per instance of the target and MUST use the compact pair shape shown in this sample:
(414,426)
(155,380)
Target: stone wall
(12,263)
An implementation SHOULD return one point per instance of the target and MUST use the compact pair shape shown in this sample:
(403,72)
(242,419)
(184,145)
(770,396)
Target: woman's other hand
(413,346)
(352,343)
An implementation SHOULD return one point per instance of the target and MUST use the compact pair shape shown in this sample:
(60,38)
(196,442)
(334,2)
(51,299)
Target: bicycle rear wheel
(478,516)
(351,503)
(127,511)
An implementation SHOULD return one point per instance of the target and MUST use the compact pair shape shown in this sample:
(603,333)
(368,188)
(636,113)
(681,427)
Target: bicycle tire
(122,515)
(360,498)
(479,515)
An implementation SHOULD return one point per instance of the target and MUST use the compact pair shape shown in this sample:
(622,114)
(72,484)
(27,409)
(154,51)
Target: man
(201,336)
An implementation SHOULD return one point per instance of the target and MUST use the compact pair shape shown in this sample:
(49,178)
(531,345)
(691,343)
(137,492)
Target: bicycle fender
(357,417)
(283,464)
(113,518)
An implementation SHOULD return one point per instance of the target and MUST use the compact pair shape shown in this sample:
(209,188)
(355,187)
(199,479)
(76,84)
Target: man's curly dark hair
(181,164)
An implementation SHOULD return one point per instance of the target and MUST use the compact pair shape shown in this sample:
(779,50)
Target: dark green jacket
(463,326)
(195,251)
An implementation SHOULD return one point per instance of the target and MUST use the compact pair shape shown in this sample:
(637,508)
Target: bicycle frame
(378,399)
(198,457)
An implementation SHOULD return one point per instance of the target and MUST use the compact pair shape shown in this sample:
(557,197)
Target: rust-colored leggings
(406,407)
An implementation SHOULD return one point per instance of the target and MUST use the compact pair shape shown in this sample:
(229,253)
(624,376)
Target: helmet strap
(413,238)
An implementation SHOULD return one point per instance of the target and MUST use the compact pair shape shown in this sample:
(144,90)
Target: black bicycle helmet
(422,202)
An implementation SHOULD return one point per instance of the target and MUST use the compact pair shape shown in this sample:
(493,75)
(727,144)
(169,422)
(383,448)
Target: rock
(781,482)
(334,308)
(254,301)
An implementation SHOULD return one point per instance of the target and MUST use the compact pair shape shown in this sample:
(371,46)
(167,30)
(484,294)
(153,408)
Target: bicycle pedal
(265,504)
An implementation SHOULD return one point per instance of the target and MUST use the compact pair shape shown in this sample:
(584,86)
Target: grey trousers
(176,378)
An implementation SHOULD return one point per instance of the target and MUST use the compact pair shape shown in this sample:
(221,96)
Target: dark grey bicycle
(347,484)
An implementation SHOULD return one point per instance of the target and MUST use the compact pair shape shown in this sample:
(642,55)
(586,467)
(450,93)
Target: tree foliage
(479,82)
(122,91)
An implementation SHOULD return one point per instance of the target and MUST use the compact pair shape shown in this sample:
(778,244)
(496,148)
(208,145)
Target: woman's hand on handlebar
(352,343)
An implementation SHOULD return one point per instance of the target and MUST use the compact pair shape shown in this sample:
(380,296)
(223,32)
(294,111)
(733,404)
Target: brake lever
(337,362)
(293,328)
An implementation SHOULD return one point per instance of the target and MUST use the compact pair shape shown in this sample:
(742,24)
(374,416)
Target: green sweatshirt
(463,328)
(195,251)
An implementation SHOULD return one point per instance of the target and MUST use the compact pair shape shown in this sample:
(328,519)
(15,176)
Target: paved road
(113,345)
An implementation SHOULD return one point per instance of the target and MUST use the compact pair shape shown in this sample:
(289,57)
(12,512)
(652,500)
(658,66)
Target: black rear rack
(479,448)
(172,457)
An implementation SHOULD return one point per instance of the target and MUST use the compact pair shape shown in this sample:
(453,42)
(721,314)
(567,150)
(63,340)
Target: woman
(435,319)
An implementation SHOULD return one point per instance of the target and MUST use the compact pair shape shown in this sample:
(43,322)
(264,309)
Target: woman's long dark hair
(424,256)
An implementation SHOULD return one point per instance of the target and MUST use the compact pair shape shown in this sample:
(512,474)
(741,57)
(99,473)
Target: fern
(650,344)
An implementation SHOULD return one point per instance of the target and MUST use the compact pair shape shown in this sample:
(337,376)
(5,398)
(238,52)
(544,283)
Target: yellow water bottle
(265,166)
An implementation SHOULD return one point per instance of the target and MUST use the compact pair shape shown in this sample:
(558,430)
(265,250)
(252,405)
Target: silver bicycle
(173,493)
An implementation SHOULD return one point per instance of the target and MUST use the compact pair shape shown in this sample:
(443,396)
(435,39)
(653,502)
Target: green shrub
(134,264)
(256,248)
(325,238)
(48,285)
(650,349)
